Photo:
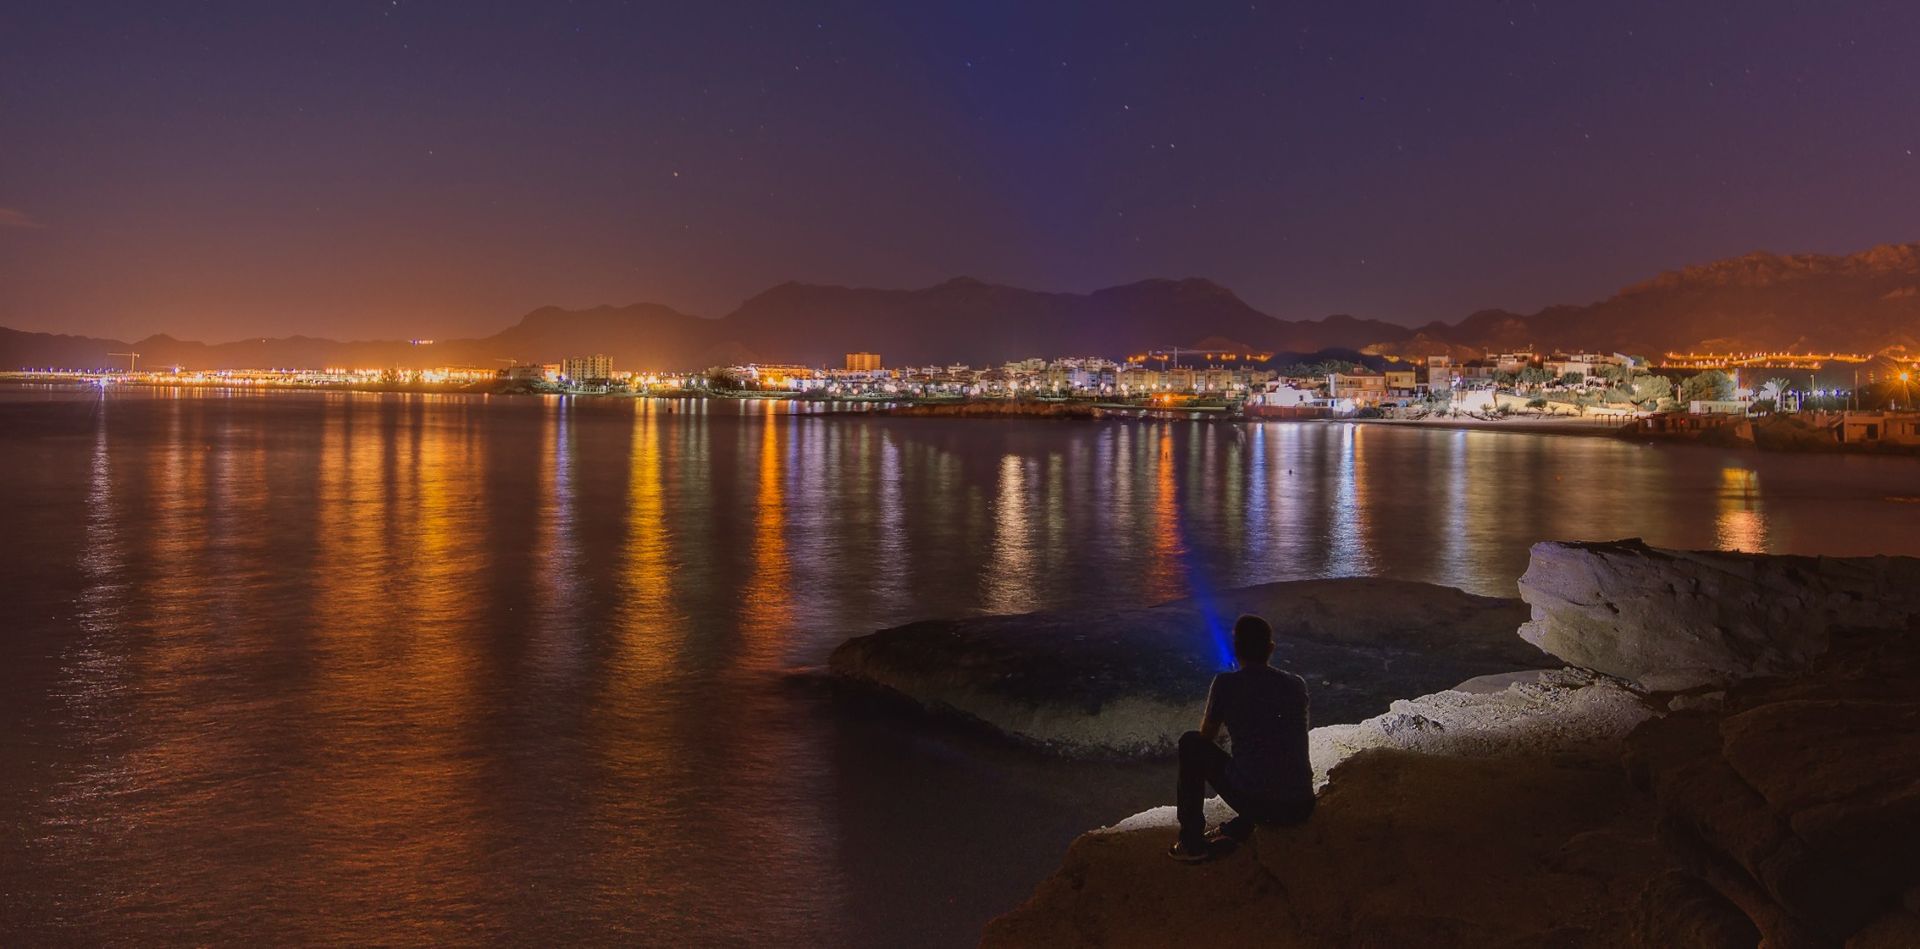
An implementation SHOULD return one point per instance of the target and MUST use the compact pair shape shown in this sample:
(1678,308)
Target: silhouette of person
(1268,777)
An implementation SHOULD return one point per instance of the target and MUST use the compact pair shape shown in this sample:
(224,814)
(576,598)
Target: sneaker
(1190,853)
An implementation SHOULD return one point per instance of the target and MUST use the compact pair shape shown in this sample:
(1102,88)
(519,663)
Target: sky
(395,169)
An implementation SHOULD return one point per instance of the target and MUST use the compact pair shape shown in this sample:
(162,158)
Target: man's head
(1252,641)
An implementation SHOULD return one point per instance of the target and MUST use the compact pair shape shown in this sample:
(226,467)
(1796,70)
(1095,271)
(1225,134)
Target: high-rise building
(594,368)
(863,362)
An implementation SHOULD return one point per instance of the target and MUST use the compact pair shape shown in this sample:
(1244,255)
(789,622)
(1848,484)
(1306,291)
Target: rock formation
(1780,807)
(1675,620)
(1406,849)
(1564,713)
(1128,682)
(1798,800)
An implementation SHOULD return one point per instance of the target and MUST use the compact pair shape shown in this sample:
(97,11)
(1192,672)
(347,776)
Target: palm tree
(1775,389)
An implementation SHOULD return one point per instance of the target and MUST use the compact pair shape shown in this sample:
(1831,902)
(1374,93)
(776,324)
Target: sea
(286,667)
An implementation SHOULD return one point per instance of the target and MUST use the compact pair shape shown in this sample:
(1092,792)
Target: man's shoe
(1187,852)
(1239,830)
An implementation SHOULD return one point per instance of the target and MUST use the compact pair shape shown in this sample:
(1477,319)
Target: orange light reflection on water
(1741,522)
(1165,578)
(768,596)
(648,616)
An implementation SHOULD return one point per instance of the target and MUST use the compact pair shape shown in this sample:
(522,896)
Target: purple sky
(395,169)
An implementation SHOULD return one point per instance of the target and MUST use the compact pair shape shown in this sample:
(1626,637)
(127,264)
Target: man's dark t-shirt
(1265,712)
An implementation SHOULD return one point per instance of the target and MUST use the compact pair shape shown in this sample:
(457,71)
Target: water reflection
(1166,579)
(891,562)
(374,669)
(1009,581)
(1742,522)
(647,609)
(102,556)
(768,598)
(1349,554)
(556,551)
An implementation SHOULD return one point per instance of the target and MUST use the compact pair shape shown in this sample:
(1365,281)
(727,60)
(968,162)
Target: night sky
(392,169)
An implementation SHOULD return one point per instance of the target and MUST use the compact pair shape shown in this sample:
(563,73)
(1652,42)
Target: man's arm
(1210,719)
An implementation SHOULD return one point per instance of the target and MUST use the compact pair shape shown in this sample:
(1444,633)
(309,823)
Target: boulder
(1405,849)
(1674,620)
(1128,682)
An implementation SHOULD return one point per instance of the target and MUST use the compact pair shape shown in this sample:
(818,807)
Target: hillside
(1862,302)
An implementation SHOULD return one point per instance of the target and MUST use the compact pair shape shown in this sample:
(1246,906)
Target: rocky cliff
(1778,803)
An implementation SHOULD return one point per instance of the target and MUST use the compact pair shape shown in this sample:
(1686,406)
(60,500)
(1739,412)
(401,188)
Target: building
(1283,395)
(594,368)
(863,362)
(1880,428)
(1584,365)
(1359,388)
(1718,407)
(1512,363)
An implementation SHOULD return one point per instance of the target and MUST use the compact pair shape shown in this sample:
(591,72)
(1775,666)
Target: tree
(1710,386)
(1617,375)
(1535,375)
(1570,379)
(1648,390)
(1774,393)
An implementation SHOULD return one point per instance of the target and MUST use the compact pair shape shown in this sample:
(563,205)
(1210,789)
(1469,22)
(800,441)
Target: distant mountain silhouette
(1862,302)
(1865,302)
(964,319)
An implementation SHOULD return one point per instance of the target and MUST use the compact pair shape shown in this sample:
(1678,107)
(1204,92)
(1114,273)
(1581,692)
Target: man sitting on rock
(1267,778)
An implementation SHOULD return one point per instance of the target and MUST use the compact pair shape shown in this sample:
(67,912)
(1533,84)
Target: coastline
(1606,428)
(1775,434)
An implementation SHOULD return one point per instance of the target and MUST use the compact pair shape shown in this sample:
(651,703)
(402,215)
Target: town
(1846,398)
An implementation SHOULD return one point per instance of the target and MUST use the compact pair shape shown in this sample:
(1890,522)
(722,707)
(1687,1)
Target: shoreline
(1607,428)
(1074,410)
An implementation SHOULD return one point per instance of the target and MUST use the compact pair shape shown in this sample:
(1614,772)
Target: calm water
(305,667)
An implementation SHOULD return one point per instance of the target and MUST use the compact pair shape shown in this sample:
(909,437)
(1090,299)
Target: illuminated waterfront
(478,667)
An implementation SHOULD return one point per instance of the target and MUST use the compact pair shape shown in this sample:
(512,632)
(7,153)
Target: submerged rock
(1672,620)
(1128,682)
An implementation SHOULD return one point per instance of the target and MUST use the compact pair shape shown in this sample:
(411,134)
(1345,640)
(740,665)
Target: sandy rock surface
(1398,854)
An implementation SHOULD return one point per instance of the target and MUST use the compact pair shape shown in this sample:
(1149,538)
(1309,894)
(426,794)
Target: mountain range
(1863,302)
